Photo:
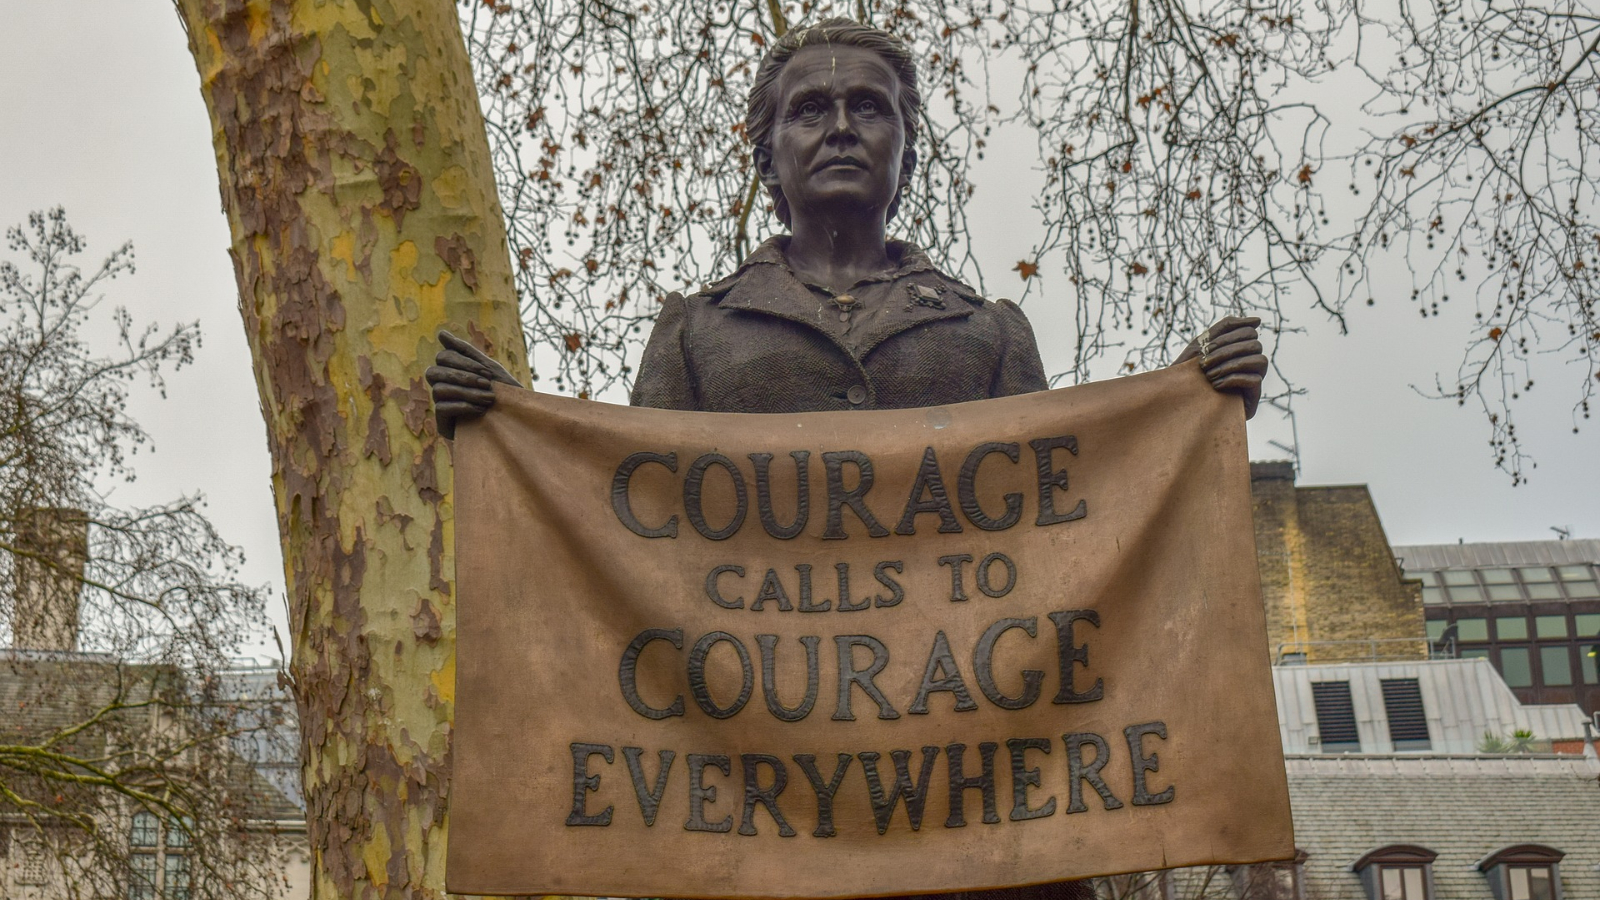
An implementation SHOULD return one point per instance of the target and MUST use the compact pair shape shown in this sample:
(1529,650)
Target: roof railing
(1299,653)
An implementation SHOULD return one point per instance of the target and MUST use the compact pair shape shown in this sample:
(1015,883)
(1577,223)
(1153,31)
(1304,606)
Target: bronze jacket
(763,341)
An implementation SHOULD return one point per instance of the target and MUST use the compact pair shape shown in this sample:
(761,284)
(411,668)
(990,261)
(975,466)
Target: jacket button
(857,394)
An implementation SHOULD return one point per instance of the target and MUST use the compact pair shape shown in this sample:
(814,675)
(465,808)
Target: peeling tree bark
(356,180)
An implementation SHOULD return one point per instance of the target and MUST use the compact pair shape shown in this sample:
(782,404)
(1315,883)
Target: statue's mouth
(843,162)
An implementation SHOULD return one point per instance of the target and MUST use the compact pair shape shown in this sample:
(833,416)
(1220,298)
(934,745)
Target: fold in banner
(859,654)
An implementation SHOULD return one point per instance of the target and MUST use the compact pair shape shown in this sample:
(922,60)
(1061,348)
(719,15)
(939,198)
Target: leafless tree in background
(1484,175)
(1199,883)
(115,704)
(1195,157)
(1264,881)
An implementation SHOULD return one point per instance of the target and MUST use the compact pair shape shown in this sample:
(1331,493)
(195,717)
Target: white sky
(102,114)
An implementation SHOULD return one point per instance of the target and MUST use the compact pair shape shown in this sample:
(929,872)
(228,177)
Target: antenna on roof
(1286,406)
(1562,534)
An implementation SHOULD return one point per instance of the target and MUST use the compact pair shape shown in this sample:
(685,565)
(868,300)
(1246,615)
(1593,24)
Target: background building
(1328,576)
(1396,668)
(1531,608)
(135,779)
(1427,827)
(1439,706)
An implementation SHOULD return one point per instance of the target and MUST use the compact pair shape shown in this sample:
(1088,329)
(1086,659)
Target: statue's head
(765,111)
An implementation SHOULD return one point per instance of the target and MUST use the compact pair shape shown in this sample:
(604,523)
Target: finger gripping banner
(859,654)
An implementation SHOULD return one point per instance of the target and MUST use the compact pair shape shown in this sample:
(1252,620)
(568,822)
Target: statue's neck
(837,254)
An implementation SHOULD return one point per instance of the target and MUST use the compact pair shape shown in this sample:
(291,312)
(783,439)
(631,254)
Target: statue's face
(838,139)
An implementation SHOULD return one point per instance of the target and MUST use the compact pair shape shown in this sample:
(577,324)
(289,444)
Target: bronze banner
(859,654)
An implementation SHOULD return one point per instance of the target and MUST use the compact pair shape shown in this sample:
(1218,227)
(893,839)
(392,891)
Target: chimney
(1272,470)
(52,547)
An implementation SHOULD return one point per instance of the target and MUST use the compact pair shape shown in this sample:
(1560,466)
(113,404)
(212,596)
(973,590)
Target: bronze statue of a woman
(836,316)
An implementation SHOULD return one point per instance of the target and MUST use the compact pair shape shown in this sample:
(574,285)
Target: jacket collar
(905,258)
(765,284)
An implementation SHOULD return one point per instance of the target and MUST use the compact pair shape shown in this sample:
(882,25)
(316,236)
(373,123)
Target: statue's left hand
(1230,356)
(462,381)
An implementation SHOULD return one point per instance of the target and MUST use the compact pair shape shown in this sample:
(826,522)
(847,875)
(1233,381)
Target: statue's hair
(761,108)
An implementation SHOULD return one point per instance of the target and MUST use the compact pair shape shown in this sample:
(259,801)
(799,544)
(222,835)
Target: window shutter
(1408,722)
(1336,717)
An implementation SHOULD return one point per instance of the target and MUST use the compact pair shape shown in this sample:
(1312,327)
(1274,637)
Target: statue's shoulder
(750,284)
(1000,312)
(961,289)
(690,300)
(925,281)
(716,290)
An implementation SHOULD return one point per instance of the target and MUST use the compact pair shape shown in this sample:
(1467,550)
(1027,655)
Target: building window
(1511,628)
(1463,587)
(1540,584)
(1588,625)
(1579,582)
(1501,585)
(1498,585)
(1473,629)
(158,859)
(1531,882)
(31,870)
(1517,666)
(1408,723)
(1556,663)
(1336,717)
(144,832)
(1551,626)
(175,876)
(142,880)
(1403,883)
(1397,872)
(1524,872)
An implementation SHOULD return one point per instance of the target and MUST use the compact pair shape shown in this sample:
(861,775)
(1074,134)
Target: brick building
(1328,576)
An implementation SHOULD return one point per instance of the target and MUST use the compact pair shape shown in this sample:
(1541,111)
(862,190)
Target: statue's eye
(808,109)
(867,107)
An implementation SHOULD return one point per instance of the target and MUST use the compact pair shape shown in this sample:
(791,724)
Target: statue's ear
(908,168)
(765,170)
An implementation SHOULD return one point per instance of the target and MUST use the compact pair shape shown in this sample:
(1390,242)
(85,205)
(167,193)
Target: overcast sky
(103,115)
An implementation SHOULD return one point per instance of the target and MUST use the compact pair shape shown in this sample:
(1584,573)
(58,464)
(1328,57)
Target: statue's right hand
(462,379)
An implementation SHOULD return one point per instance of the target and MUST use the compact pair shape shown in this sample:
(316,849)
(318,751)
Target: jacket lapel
(770,289)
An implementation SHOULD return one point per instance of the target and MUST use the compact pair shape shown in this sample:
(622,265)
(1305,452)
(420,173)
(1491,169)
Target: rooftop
(1463,807)
(1509,553)
(1432,706)
(45,693)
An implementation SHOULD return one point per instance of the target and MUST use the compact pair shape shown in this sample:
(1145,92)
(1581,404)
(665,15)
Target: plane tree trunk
(355,176)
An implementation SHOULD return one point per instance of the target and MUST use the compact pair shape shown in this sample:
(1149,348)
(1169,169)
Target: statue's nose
(842,125)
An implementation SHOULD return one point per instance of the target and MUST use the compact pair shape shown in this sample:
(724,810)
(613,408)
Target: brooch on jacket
(922,295)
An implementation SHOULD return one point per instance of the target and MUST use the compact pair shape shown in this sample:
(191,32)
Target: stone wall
(1327,573)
